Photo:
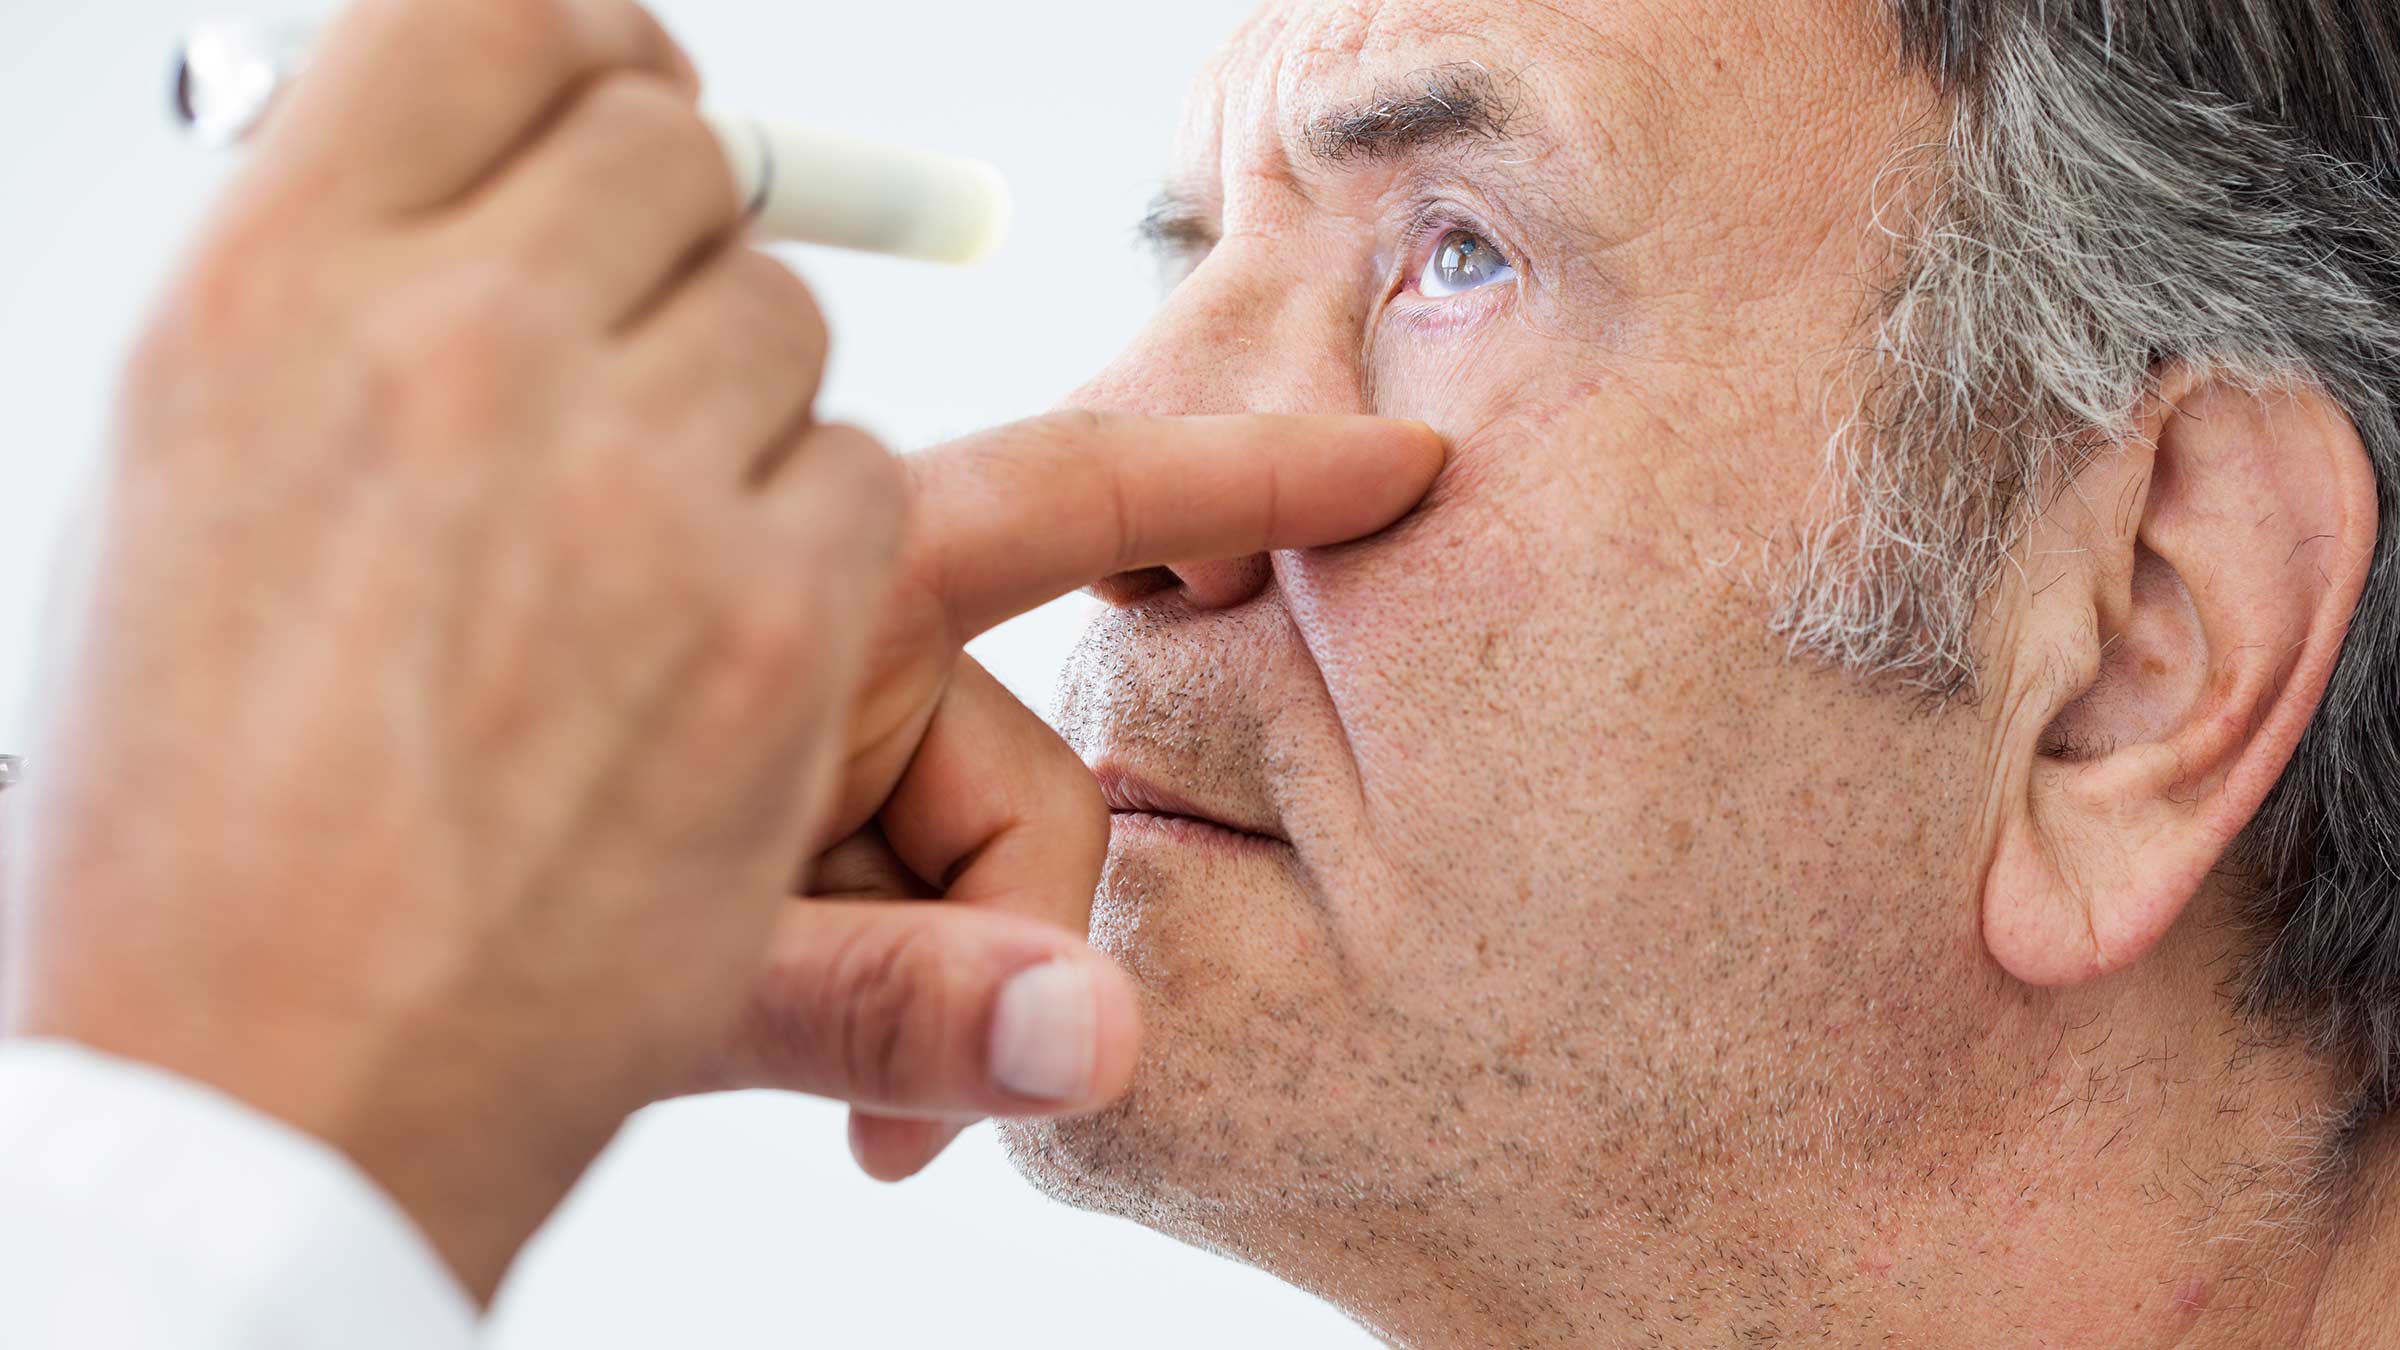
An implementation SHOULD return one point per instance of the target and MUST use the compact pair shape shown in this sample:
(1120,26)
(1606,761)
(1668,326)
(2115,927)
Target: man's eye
(1462,260)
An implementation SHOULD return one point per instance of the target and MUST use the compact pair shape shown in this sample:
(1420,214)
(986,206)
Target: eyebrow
(1438,107)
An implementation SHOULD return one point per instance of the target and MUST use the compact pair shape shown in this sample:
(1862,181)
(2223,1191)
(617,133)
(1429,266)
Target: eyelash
(1425,230)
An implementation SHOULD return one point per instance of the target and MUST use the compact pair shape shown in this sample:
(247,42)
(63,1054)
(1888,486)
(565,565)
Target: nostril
(1224,582)
(1220,584)
(1131,588)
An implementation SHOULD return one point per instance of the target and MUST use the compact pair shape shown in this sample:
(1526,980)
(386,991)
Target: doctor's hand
(462,670)
(928,1016)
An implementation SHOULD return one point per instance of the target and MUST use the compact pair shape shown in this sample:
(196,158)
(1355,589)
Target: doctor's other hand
(462,667)
(928,1016)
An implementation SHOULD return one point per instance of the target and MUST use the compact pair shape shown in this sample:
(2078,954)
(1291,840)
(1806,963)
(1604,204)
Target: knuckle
(761,325)
(448,294)
(874,483)
(1070,442)
(247,281)
(559,39)
(1074,819)
(777,306)
(768,643)
(859,492)
(684,137)
(618,526)
(1082,803)
(778,652)
(525,32)
(886,1003)
(1069,428)
(461,350)
(653,123)
(637,145)
(636,106)
(1092,832)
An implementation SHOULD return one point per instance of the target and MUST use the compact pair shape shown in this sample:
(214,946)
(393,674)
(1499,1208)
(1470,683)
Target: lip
(1138,801)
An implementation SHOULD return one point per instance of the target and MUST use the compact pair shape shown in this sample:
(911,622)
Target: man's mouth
(1139,803)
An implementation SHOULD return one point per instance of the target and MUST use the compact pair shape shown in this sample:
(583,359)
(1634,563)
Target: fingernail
(1042,1032)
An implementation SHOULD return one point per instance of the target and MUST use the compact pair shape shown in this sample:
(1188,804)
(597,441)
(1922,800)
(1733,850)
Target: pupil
(1463,261)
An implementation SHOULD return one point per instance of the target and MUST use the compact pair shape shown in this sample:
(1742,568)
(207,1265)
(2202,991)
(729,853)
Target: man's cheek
(1460,553)
(1568,561)
(1475,385)
(1435,634)
(1567,500)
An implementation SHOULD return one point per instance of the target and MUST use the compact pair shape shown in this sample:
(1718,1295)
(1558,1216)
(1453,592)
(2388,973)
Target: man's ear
(2168,636)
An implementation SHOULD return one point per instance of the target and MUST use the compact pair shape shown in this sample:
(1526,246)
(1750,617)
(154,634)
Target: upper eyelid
(1174,227)
(1178,231)
(1434,222)
(1437,207)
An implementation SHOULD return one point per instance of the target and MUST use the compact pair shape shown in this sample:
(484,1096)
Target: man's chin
(1087,1162)
(1234,964)
(1142,1158)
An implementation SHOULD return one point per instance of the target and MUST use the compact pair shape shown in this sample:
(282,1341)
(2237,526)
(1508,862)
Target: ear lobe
(2180,612)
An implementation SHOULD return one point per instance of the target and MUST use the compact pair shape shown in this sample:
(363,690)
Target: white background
(738,1221)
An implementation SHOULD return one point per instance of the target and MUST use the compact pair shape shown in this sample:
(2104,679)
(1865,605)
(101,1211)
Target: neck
(2353,1303)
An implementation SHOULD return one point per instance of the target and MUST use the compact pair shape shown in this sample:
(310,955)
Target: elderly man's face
(1564,892)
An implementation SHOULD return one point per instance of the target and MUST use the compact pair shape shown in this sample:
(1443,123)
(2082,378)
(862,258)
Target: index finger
(1008,520)
(410,103)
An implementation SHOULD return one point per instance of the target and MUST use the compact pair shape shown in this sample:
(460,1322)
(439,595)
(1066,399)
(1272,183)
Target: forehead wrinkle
(1578,86)
(1248,86)
(1328,73)
(1593,94)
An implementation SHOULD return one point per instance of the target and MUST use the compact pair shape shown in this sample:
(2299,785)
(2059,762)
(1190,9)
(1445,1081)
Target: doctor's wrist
(465,1140)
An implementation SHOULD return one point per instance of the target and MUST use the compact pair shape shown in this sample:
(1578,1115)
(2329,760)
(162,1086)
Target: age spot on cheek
(1548,411)
(2191,1299)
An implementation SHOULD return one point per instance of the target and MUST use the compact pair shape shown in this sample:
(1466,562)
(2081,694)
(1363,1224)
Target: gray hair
(2124,184)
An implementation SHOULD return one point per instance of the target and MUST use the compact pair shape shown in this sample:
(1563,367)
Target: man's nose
(1235,337)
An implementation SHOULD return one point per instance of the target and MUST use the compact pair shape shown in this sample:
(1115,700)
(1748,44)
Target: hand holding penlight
(801,185)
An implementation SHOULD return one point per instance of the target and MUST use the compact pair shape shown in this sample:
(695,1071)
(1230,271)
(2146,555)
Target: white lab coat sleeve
(142,1211)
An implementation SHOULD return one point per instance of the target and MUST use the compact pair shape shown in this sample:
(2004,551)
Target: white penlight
(802,186)
(826,189)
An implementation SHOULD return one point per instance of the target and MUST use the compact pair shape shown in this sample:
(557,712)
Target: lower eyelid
(1436,316)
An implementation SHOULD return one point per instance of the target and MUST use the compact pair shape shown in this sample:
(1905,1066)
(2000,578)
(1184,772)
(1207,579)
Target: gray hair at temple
(2119,186)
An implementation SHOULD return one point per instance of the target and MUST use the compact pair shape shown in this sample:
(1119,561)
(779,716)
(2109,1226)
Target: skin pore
(1583,971)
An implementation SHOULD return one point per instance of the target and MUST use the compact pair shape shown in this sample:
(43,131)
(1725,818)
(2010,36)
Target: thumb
(927,1009)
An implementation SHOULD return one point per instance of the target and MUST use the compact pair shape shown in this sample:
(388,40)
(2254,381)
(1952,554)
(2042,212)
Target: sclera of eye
(1427,316)
(1431,316)
(1445,243)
